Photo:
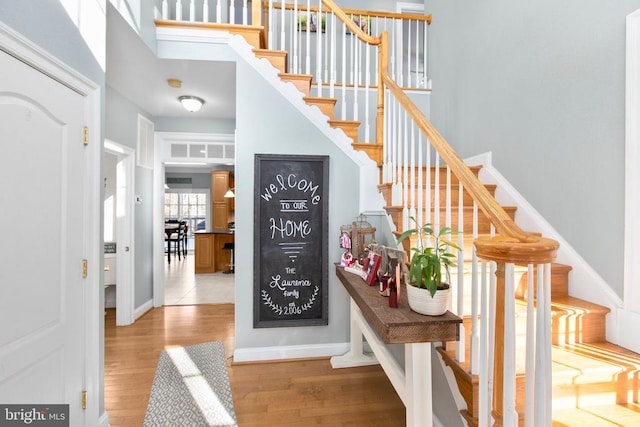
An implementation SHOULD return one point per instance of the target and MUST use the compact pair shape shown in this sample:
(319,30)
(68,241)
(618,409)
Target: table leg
(419,394)
(355,356)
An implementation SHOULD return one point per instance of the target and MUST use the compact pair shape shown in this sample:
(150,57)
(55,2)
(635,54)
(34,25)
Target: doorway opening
(119,170)
(183,192)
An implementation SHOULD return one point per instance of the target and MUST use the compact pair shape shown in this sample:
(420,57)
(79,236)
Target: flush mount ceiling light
(191,103)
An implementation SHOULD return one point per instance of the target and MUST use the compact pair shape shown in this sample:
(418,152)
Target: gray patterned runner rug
(191,388)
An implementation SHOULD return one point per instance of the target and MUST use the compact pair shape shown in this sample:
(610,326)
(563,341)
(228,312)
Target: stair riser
(349,128)
(327,108)
(302,83)
(277,58)
(581,328)
(559,278)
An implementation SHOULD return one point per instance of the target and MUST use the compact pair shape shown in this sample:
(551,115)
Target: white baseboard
(140,311)
(103,421)
(585,283)
(261,354)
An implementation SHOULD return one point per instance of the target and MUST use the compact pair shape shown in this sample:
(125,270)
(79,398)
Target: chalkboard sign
(290,243)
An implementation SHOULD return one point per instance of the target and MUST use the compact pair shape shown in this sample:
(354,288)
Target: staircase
(593,382)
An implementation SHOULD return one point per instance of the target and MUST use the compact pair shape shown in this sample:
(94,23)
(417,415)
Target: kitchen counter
(209,253)
(223,231)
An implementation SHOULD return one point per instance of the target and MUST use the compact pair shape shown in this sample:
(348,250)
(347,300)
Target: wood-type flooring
(291,393)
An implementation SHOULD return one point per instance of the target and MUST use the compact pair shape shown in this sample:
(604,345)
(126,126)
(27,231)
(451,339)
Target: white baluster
(165,10)
(408,81)
(282,26)
(475,310)
(205,11)
(367,84)
(232,12)
(332,55)
(399,53)
(396,189)
(460,345)
(420,165)
(428,186)
(405,172)
(543,348)
(510,416)
(219,11)
(179,10)
(412,170)
(270,17)
(530,367)
(343,112)
(484,403)
(436,194)
(245,13)
(295,36)
(307,68)
(417,49)
(356,70)
(319,38)
(424,57)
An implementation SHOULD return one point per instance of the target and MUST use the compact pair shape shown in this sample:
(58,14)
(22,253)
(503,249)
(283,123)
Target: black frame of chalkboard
(260,281)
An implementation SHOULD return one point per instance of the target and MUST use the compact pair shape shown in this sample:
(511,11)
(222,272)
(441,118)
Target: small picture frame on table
(370,272)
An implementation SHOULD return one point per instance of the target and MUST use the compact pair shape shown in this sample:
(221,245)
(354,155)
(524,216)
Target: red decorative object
(370,272)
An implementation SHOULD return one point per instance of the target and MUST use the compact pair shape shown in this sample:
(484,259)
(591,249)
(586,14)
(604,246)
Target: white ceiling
(136,73)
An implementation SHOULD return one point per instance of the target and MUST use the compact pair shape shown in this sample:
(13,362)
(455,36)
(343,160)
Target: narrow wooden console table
(380,324)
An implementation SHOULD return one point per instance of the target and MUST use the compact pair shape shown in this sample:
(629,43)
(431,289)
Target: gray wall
(268,123)
(122,127)
(195,125)
(541,85)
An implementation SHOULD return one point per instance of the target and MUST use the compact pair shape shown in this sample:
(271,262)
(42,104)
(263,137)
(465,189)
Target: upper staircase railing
(424,178)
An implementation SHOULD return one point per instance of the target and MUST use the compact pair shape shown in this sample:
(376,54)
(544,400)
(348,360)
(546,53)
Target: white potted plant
(428,288)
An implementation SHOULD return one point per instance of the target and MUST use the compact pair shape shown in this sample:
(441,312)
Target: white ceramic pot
(420,300)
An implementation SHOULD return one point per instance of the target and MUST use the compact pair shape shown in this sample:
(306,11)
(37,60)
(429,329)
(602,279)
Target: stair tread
(569,303)
(339,121)
(597,415)
(294,75)
(320,99)
(271,52)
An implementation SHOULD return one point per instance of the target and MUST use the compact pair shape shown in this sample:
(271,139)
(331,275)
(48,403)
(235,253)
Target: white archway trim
(630,314)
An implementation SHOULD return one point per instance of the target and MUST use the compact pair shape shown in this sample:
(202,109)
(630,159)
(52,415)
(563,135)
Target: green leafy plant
(429,263)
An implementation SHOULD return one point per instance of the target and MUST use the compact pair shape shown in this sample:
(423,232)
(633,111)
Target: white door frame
(28,52)
(630,313)
(162,154)
(125,252)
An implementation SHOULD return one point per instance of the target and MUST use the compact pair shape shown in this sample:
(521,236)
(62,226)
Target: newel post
(506,253)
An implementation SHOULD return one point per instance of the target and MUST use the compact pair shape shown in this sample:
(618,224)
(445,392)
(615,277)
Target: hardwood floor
(292,393)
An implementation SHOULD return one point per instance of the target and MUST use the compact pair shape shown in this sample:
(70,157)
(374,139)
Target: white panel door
(41,211)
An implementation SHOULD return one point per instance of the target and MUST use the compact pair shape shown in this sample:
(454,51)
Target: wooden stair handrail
(355,29)
(487,203)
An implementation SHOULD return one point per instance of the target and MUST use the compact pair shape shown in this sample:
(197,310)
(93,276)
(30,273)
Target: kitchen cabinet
(209,253)
(222,208)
